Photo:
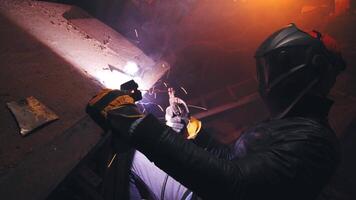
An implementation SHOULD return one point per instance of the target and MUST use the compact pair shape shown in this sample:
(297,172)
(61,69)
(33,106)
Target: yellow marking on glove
(99,96)
(117,103)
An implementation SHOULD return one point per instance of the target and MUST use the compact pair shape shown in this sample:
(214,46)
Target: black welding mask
(290,63)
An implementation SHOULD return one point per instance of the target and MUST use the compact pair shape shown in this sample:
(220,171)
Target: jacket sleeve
(269,173)
(210,144)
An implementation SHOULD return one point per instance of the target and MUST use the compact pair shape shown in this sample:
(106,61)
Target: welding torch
(131,88)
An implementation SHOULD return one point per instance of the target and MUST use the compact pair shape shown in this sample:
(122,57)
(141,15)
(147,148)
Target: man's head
(292,63)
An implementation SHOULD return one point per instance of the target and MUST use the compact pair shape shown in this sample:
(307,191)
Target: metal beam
(229,106)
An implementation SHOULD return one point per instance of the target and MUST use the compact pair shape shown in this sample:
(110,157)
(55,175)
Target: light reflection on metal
(114,79)
(79,41)
(131,68)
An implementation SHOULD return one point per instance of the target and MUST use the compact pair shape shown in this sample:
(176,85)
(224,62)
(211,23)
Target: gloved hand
(177,117)
(114,110)
(176,122)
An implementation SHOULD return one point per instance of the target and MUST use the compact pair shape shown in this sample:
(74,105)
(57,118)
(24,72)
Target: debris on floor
(31,114)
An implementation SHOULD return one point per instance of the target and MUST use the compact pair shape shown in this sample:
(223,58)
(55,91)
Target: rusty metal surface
(31,114)
(39,173)
(31,166)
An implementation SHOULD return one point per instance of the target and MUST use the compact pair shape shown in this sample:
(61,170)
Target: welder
(291,156)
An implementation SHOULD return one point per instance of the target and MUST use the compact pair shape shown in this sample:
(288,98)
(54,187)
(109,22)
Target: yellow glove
(109,100)
(193,128)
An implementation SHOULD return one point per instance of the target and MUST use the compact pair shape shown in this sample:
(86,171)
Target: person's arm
(208,142)
(273,172)
(188,163)
(191,128)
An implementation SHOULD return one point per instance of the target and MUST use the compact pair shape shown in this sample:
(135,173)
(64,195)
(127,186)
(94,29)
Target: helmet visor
(279,64)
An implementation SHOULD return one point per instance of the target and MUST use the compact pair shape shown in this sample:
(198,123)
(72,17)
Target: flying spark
(184,90)
(198,107)
(136,33)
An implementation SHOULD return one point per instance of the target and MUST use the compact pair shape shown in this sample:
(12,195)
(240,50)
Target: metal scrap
(31,114)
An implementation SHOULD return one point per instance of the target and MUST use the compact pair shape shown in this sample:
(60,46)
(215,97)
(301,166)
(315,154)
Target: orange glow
(341,6)
(233,30)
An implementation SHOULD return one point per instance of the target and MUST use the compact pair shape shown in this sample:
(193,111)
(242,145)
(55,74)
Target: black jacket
(289,158)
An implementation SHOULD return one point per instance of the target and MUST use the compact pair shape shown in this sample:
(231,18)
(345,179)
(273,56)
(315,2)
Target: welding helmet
(292,63)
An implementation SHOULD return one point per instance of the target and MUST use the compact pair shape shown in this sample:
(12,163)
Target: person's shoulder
(297,126)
